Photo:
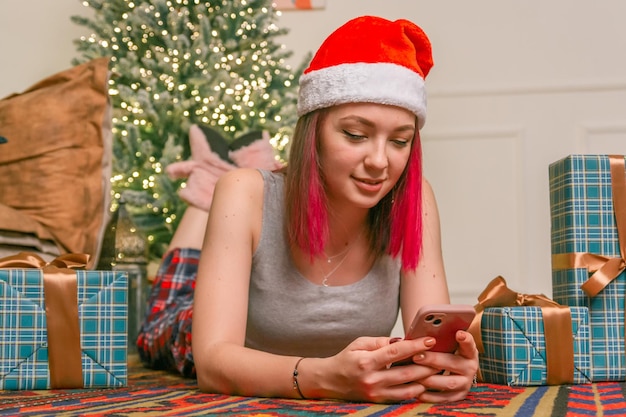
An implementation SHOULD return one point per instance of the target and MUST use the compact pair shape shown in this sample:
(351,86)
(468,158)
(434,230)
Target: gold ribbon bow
(61,301)
(605,269)
(557,324)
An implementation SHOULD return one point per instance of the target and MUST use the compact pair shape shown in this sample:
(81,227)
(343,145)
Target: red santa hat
(369,59)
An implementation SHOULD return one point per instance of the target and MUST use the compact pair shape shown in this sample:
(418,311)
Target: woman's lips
(369,185)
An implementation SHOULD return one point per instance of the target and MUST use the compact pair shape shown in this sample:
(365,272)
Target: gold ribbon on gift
(604,269)
(557,324)
(61,300)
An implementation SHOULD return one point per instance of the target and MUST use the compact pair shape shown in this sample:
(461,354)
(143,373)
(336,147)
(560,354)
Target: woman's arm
(221,295)
(427,284)
(222,362)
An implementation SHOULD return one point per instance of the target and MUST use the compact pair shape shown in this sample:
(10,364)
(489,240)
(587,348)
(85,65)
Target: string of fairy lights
(177,50)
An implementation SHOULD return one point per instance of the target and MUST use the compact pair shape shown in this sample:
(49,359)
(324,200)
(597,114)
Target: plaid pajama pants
(164,340)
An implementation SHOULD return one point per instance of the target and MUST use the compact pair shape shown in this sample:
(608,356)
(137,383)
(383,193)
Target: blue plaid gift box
(24,338)
(515,346)
(588,235)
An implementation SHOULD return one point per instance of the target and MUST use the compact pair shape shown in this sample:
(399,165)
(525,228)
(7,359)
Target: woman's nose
(377,156)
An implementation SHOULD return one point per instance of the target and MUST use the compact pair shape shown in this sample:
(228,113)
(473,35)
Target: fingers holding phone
(441,322)
(458,375)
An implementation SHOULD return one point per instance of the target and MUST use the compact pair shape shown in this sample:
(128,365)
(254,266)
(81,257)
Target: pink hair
(307,211)
(407,211)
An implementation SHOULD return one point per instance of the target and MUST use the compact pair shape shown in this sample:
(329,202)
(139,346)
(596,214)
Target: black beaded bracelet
(295,379)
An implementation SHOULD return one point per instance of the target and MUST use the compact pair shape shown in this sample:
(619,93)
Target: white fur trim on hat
(381,83)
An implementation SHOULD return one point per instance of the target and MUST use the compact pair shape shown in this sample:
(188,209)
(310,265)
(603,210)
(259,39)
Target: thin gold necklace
(329,259)
(345,253)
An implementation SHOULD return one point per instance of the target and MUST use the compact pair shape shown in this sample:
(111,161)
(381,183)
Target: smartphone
(441,321)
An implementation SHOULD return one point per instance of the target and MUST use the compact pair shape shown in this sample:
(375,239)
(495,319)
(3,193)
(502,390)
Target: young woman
(302,273)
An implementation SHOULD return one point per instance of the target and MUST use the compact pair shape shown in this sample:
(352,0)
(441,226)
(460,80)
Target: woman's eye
(400,142)
(353,136)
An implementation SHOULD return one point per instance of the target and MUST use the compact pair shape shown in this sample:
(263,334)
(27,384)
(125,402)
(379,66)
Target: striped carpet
(163,394)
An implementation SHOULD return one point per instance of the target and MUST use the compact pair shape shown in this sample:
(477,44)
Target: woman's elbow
(210,381)
(206,384)
(212,375)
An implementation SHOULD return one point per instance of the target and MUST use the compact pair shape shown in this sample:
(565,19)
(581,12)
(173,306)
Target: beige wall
(35,40)
(477,44)
(516,86)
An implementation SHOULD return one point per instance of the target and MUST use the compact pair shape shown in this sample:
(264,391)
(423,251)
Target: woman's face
(364,148)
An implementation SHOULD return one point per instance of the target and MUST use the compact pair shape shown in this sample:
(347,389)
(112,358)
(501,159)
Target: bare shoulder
(241,178)
(428,195)
(238,203)
(236,211)
(239,185)
(427,188)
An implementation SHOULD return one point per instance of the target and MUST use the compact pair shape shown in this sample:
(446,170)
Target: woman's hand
(363,371)
(456,371)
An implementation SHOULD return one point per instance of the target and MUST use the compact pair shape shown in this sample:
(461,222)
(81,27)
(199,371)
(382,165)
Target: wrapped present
(515,346)
(588,242)
(61,327)
(529,339)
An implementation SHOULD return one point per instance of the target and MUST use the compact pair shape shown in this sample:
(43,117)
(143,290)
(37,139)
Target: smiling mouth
(369,182)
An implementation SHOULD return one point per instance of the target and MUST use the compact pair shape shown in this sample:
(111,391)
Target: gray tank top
(289,315)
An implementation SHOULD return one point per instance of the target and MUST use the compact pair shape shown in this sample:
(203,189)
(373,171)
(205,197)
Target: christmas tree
(179,62)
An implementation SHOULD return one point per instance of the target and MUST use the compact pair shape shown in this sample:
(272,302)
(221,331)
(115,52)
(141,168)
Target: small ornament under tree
(175,63)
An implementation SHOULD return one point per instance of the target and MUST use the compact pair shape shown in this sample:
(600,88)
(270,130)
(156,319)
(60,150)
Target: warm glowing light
(184,61)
